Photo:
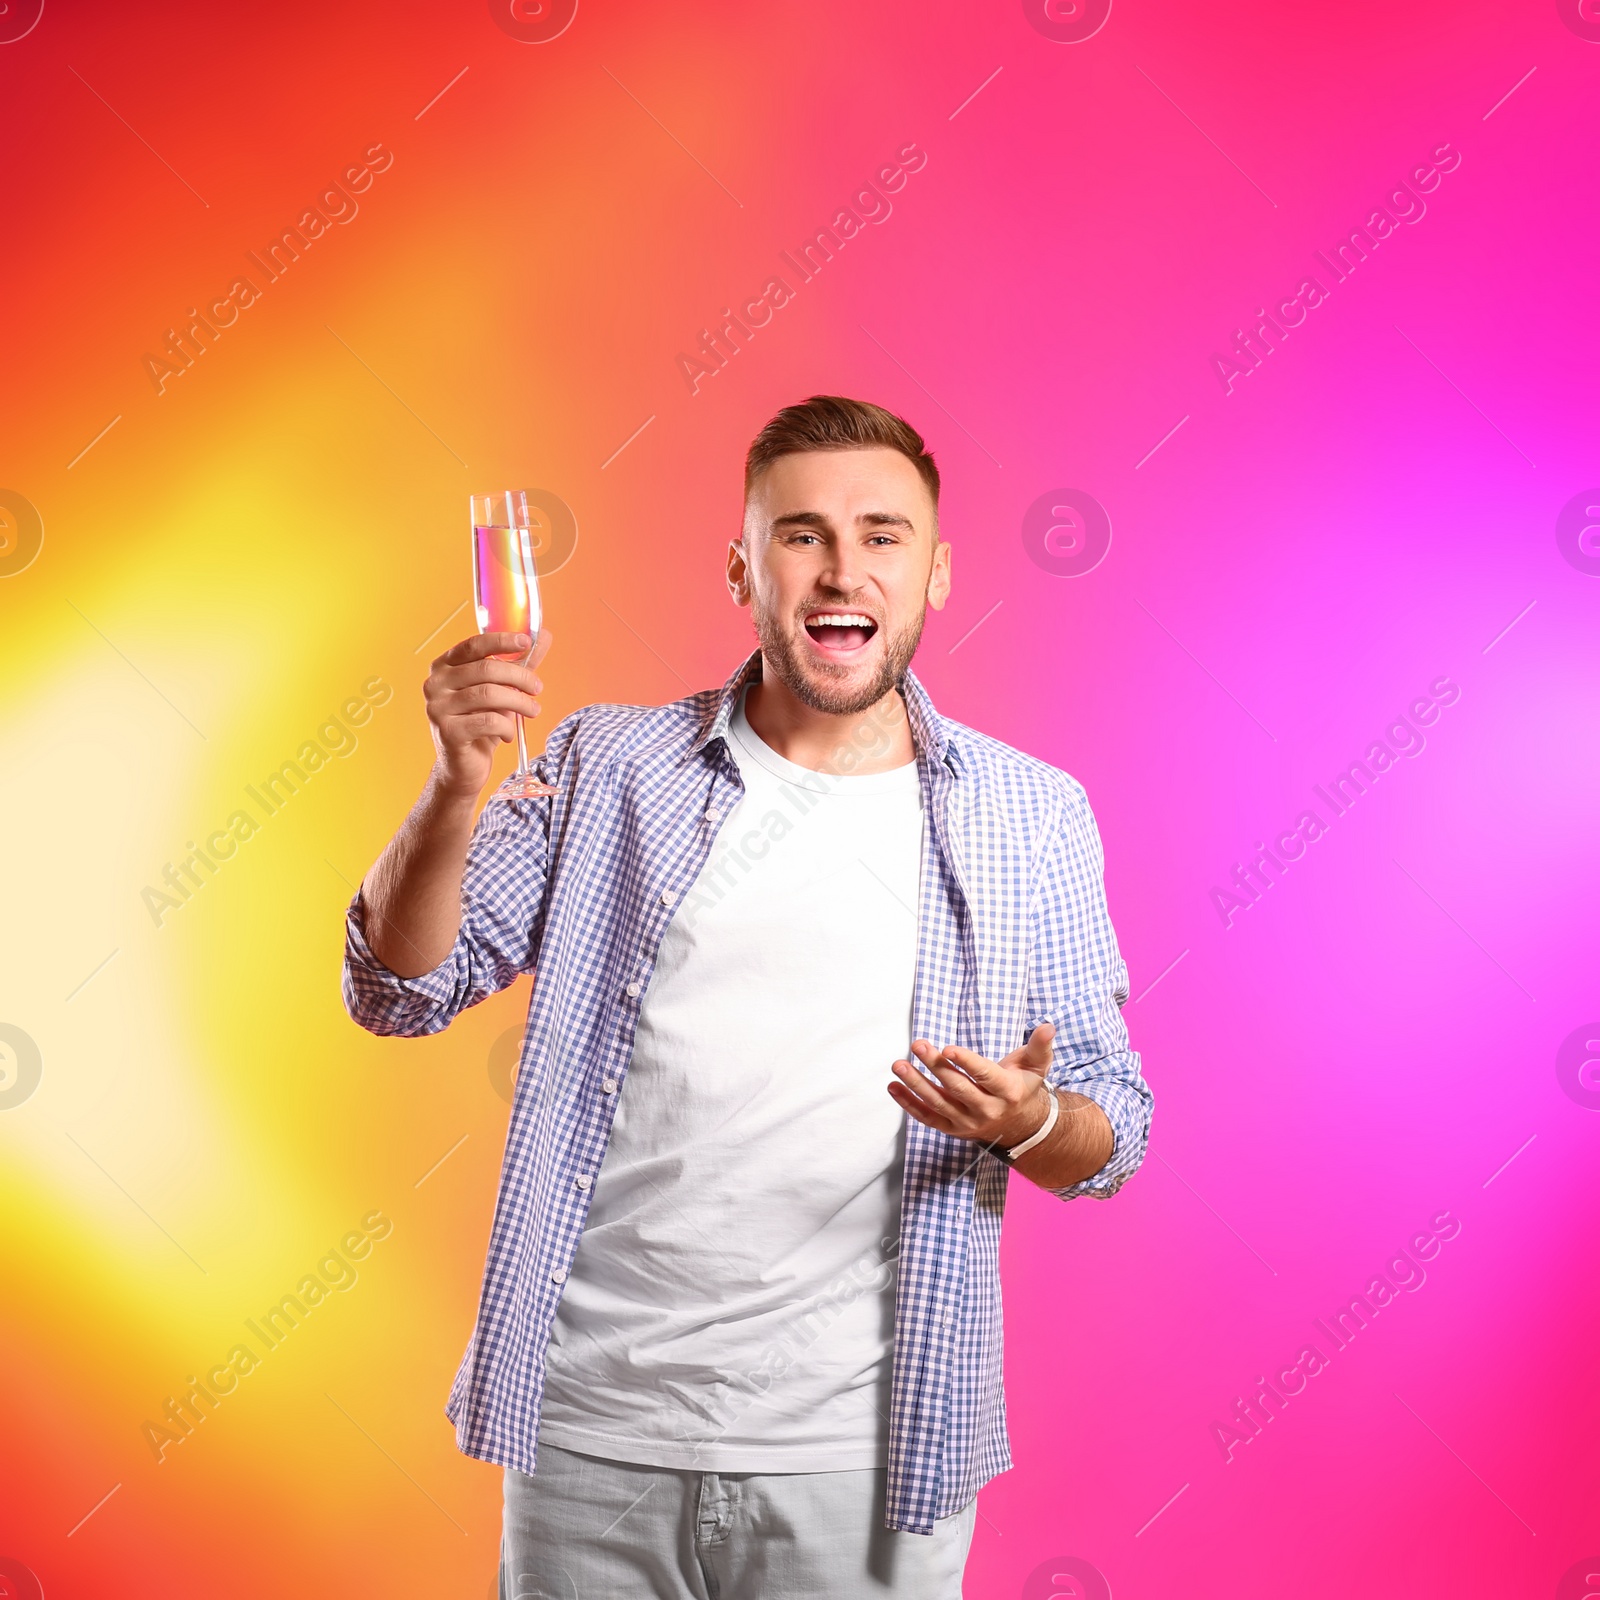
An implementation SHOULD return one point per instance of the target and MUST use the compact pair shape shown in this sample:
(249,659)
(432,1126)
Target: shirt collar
(929,731)
(718,713)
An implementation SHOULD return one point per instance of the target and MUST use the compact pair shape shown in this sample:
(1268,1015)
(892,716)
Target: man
(739,1332)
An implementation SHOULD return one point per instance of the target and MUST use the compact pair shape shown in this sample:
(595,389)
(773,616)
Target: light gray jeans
(587,1529)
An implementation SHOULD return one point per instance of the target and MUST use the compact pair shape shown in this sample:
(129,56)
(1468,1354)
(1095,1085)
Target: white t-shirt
(731,1305)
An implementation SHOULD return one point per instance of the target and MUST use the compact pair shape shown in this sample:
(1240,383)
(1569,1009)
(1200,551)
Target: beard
(824,686)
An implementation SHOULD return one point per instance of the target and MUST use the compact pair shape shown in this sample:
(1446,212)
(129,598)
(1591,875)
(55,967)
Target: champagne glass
(505,591)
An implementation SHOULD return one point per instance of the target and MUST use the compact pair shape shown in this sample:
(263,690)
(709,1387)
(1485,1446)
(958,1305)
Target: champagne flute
(505,591)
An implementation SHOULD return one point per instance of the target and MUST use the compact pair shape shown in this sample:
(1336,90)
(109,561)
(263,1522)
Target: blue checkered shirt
(1013,931)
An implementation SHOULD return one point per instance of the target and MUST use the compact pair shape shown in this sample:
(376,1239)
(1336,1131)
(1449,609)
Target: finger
(1036,1054)
(482,725)
(913,1107)
(484,697)
(492,670)
(969,1079)
(925,1088)
(959,1086)
(979,1069)
(541,647)
(928,1054)
(480,645)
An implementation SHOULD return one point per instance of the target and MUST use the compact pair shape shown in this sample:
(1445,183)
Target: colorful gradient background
(1373,1043)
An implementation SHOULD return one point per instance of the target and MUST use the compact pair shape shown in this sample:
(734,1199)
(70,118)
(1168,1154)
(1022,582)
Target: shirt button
(633,991)
(713,816)
(559,1275)
(668,898)
(583,1180)
(609,1086)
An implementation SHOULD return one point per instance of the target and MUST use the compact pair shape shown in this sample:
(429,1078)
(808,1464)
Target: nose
(842,571)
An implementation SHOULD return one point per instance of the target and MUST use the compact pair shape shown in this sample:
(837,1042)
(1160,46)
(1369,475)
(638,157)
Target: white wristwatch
(1044,1129)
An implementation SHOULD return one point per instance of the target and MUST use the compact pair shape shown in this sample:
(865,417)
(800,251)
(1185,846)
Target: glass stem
(522,737)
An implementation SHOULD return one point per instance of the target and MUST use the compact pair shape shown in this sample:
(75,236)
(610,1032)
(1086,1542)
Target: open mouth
(840,633)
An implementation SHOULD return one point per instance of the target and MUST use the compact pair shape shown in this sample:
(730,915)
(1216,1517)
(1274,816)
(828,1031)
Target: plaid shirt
(1013,931)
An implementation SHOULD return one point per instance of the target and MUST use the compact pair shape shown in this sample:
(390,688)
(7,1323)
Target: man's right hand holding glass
(474,695)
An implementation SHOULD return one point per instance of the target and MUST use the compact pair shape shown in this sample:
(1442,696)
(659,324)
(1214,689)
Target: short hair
(832,422)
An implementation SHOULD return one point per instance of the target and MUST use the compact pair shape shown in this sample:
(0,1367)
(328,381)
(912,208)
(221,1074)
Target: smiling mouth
(840,633)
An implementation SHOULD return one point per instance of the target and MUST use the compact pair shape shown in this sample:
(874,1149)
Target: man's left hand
(1004,1103)
(971,1097)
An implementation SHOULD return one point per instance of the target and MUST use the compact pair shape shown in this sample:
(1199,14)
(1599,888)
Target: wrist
(447,791)
(1034,1127)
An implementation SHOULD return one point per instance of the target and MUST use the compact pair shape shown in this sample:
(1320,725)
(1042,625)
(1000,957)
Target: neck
(859,742)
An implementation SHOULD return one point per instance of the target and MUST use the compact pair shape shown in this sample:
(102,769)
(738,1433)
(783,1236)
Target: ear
(939,577)
(738,573)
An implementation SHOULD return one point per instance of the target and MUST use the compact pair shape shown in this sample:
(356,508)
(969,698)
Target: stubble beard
(821,688)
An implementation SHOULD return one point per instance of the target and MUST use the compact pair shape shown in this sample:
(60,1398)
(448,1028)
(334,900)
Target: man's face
(838,563)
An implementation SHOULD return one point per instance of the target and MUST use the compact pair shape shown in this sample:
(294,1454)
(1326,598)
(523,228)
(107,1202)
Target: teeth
(840,619)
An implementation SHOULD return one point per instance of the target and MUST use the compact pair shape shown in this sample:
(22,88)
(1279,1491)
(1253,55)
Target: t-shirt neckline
(753,745)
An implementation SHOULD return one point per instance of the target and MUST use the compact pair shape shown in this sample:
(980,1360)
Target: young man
(739,1332)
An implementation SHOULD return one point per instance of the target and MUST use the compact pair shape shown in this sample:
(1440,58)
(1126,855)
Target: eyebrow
(873,519)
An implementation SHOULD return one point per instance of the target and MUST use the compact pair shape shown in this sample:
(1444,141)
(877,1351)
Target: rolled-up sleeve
(502,902)
(1079,981)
